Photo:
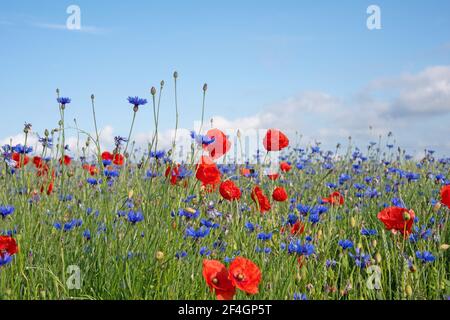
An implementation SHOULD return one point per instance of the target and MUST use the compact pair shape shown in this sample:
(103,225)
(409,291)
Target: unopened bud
(153,91)
(92,97)
(175,74)
(444,246)
(378,257)
(162,83)
(408,290)
(205,87)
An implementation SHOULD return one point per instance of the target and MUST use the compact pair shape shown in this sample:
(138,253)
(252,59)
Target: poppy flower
(67,160)
(49,188)
(285,167)
(275,140)
(91,169)
(220,146)
(261,200)
(279,194)
(217,278)
(8,246)
(245,275)
(107,156)
(173,173)
(445,196)
(334,199)
(246,172)
(398,219)
(20,160)
(229,191)
(208,173)
(273,176)
(297,228)
(38,162)
(118,159)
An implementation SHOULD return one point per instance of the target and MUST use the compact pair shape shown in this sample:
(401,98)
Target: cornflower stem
(203,112)
(129,135)
(97,143)
(63,148)
(176,119)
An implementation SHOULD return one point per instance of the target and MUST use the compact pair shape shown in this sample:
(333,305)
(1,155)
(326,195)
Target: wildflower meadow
(286,220)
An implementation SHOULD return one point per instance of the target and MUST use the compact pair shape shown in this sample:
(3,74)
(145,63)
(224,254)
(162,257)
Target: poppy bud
(57,91)
(160,256)
(153,91)
(205,87)
(408,290)
(378,257)
(406,216)
(175,75)
(162,83)
(437,206)
(92,97)
(46,133)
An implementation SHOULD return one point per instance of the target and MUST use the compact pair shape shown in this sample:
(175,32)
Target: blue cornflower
(5,259)
(368,232)
(87,234)
(6,211)
(314,218)
(136,101)
(181,254)
(330,263)
(265,236)
(361,260)
(250,226)
(64,100)
(425,256)
(157,154)
(197,234)
(204,251)
(135,216)
(345,244)
(92,181)
(303,209)
(300,296)
(111,173)
(189,213)
(209,224)
(299,249)
(201,139)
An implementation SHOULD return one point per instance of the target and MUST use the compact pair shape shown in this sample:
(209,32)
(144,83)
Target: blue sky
(256,56)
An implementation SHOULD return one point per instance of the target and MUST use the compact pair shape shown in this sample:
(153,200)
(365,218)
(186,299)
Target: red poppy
(91,169)
(220,146)
(20,159)
(275,140)
(261,200)
(285,167)
(208,173)
(49,188)
(297,228)
(398,219)
(38,162)
(67,160)
(8,246)
(217,278)
(173,173)
(279,194)
(445,196)
(230,191)
(334,199)
(107,156)
(245,275)
(246,172)
(273,176)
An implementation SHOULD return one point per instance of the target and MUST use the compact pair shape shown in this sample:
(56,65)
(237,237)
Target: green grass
(39,270)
